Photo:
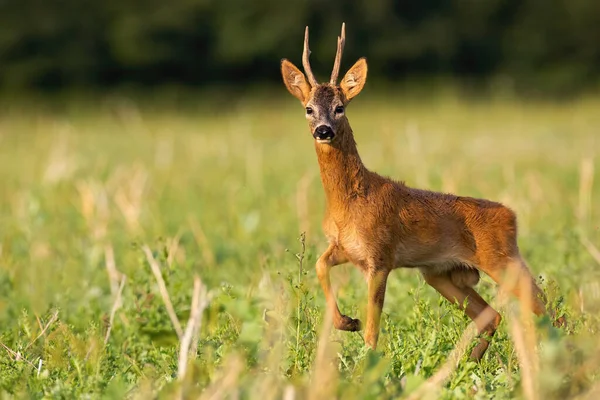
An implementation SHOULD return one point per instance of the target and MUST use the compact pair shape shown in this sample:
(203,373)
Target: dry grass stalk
(586,182)
(593,250)
(227,384)
(163,291)
(199,303)
(523,329)
(523,334)
(86,195)
(94,207)
(204,301)
(52,320)
(274,335)
(324,371)
(111,268)
(116,305)
(39,322)
(527,367)
(17,355)
(172,247)
(129,195)
(289,393)
(202,241)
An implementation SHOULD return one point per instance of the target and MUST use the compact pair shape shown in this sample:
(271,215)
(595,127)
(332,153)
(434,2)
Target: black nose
(323,132)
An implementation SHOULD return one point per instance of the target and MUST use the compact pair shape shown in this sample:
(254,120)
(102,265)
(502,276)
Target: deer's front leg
(332,257)
(376,282)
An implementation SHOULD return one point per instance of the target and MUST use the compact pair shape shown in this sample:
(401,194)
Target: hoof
(348,324)
(479,350)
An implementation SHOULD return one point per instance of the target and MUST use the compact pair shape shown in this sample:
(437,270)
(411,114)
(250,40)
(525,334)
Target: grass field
(92,194)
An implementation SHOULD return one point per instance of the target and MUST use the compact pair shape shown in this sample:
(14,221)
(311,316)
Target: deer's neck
(342,171)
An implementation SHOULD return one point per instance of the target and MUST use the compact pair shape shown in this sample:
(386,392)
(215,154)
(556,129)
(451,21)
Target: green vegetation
(225,196)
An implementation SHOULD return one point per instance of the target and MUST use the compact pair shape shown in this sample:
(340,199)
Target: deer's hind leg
(334,256)
(448,286)
(512,274)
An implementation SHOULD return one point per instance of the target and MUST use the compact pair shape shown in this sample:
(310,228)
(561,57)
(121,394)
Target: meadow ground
(93,193)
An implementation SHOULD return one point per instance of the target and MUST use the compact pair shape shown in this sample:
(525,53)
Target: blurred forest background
(542,45)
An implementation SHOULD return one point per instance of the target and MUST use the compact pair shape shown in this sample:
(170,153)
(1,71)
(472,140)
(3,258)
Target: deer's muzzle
(323,133)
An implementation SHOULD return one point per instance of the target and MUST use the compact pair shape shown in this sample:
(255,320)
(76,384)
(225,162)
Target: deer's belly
(439,258)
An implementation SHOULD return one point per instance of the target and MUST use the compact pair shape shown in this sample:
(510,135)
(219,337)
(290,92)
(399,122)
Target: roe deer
(379,224)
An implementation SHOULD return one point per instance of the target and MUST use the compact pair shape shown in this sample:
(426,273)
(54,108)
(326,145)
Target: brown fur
(379,224)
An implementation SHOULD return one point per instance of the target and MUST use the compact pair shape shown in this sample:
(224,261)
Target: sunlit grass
(225,195)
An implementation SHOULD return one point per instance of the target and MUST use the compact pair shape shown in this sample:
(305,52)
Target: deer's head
(325,103)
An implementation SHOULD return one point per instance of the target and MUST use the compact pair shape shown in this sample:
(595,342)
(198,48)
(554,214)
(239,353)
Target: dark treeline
(51,44)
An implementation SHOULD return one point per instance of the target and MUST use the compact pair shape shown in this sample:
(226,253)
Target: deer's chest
(350,237)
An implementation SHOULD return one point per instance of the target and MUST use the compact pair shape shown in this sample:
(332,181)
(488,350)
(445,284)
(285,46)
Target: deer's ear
(355,79)
(295,81)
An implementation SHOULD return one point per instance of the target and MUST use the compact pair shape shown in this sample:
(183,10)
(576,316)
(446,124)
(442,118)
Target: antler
(306,63)
(338,55)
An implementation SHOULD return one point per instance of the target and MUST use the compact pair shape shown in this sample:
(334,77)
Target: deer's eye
(309,110)
(339,109)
